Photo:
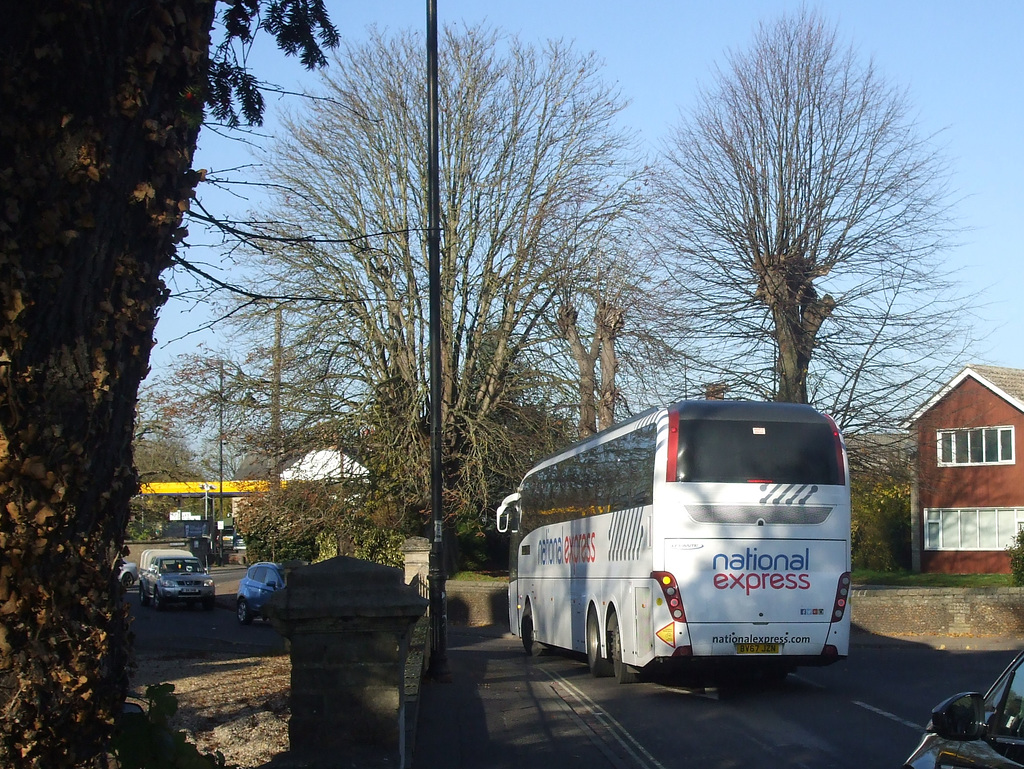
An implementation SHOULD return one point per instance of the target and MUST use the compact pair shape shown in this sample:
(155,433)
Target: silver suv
(176,579)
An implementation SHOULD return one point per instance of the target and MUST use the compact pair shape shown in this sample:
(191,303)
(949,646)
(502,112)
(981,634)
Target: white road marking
(626,741)
(890,716)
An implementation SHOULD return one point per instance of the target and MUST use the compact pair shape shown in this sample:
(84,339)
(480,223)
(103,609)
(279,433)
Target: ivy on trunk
(99,121)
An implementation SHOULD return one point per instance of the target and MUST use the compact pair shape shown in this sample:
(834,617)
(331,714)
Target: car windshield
(180,566)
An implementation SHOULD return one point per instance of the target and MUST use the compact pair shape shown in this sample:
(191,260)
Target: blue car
(261,581)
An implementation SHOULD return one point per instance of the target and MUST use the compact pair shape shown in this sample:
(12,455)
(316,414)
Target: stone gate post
(349,623)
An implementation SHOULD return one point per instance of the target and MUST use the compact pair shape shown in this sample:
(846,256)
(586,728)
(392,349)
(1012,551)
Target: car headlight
(208,583)
(166,582)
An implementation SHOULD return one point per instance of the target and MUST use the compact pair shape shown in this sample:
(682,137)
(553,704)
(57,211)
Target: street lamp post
(208,515)
(438,669)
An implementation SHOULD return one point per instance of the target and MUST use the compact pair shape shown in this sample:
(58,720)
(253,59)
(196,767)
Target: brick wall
(879,610)
(939,611)
(477,603)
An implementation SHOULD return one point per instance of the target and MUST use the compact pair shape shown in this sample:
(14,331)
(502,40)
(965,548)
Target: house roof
(1006,383)
(310,465)
(323,465)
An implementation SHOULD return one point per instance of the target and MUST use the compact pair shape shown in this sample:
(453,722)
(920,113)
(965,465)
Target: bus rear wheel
(624,673)
(600,667)
(533,647)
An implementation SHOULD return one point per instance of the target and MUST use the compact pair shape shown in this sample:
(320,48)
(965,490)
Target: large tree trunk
(99,118)
(610,320)
(598,392)
(797,323)
(586,362)
(793,358)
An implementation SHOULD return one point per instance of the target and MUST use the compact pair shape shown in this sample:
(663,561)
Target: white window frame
(940,521)
(964,433)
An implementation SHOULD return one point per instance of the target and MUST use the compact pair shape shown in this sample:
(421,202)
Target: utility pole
(276,376)
(438,670)
(219,546)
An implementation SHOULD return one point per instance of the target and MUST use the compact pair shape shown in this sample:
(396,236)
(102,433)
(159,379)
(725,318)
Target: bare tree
(804,217)
(602,318)
(531,164)
(162,450)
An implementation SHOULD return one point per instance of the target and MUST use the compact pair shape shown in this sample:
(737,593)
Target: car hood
(932,752)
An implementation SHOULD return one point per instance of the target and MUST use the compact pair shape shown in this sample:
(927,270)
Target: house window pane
(988,537)
(991,446)
(1006,445)
(946,448)
(932,536)
(976,446)
(960,448)
(1007,527)
(969,529)
(950,529)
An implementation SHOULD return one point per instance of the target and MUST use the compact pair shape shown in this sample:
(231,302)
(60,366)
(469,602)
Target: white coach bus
(708,532)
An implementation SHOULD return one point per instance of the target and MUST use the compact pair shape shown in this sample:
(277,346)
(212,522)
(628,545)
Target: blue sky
(963,64)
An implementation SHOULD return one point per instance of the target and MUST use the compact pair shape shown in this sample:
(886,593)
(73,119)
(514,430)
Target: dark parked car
(978,731)
(261,581)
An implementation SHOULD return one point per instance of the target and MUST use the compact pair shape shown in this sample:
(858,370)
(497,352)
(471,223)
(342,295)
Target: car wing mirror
(961,717)
(272,585)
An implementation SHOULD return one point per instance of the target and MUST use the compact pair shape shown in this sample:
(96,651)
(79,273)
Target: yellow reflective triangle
(668,634)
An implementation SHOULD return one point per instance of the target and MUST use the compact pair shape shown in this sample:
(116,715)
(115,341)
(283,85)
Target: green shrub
(481,546)
(881,525)
(291,522)
(383,546)
(145,740)
(1016,553)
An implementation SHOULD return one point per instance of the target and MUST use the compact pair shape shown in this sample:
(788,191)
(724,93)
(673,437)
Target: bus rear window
(735,451)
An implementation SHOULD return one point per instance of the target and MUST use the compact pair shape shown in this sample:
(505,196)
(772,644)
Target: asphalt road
(869,710)
(179,628)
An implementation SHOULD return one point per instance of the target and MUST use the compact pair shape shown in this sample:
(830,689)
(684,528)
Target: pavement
(498,711)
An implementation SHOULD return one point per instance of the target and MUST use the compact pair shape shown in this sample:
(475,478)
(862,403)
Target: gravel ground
(237,705)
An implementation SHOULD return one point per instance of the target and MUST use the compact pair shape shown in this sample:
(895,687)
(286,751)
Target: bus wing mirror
(507,516)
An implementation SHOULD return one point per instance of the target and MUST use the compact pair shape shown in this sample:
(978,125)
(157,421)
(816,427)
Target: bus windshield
(751,451)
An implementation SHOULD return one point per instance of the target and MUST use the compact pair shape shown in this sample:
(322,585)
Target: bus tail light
(683,651)
(842,597)
(670,590)
(840,461)
(672,450)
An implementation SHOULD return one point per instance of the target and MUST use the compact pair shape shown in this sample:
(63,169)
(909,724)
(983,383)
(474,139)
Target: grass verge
(912,579)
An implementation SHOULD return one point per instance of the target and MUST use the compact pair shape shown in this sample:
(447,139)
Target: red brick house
(968,500)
